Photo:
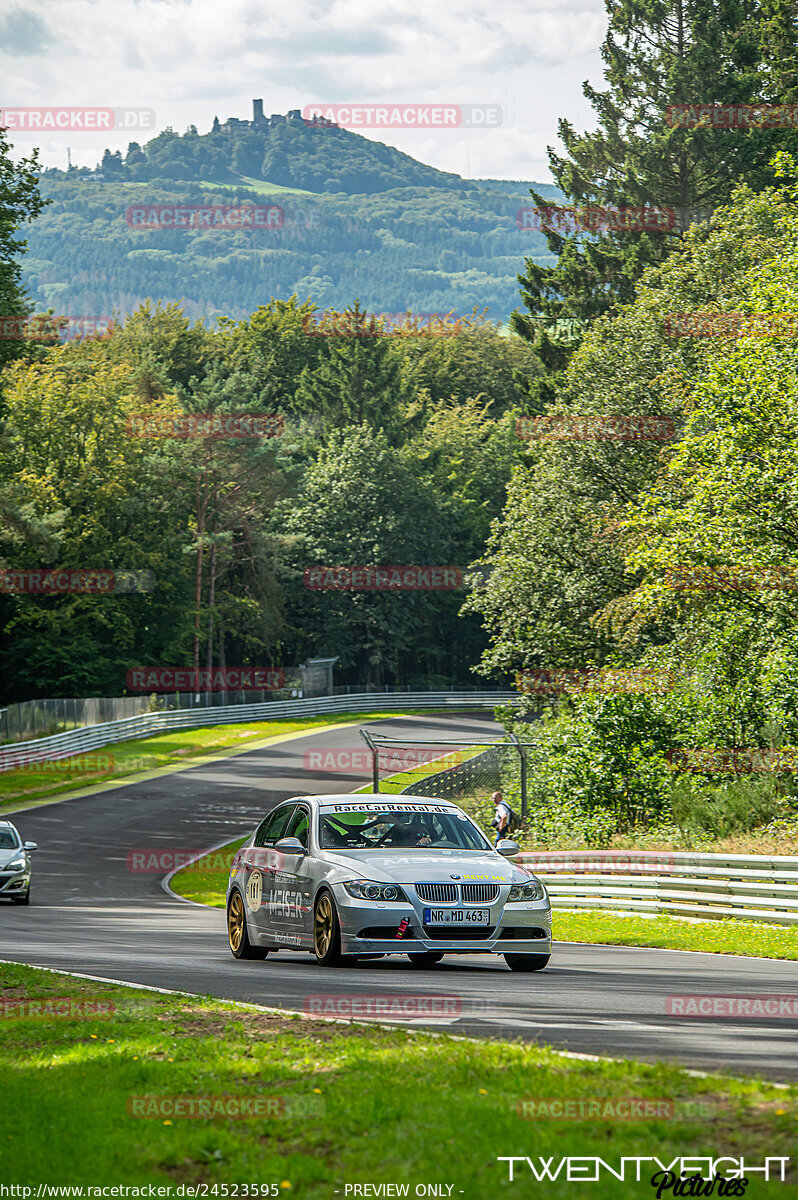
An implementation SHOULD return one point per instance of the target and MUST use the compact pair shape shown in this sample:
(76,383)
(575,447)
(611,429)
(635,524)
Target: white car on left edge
(14,864)
(366,875)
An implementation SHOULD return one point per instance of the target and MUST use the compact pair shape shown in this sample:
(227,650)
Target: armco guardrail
(79,741)
(746,886)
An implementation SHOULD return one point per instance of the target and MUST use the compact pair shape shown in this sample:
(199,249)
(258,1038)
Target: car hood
(425,866)
(7,855)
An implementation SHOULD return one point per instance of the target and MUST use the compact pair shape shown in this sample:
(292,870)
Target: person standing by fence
(501,816)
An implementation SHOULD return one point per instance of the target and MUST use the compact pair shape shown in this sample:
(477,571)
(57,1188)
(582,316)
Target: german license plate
(457,916)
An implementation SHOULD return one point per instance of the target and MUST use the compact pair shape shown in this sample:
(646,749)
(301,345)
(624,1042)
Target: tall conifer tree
(657,53)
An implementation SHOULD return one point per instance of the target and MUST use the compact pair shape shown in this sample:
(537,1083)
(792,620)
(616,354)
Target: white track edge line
(457,1037)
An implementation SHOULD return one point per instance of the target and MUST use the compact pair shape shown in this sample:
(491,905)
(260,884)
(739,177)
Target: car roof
(374,798)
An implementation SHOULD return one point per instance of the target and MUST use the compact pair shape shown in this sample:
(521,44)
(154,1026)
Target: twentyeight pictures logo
(591,1170)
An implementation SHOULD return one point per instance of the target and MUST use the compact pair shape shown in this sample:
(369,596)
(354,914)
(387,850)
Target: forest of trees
(406,449)
(427,249)
(394,450)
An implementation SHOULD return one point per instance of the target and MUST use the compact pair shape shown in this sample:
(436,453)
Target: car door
(292,896)
(260,860)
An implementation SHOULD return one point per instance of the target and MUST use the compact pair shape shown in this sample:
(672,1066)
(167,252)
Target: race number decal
(254,891)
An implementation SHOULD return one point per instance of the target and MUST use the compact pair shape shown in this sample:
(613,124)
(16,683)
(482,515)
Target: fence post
(375,756)
(522,757)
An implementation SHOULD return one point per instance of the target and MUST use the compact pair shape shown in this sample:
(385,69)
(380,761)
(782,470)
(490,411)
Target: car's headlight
(362,889)
(17,864)
(528,891)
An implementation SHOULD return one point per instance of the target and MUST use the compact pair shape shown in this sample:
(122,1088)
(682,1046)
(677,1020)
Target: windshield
(8,840)
(399,829)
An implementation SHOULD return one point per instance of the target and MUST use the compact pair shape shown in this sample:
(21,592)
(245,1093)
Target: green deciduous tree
(657,53)
(20,202)
(359,505)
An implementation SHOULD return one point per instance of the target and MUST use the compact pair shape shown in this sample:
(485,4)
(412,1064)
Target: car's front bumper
(369,928)
(14,883)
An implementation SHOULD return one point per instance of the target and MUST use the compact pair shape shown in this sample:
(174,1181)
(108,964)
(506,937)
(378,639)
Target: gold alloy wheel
(323,926)
(235,922)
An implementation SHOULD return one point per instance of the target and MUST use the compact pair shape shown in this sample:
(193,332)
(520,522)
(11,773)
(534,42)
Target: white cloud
(192,59)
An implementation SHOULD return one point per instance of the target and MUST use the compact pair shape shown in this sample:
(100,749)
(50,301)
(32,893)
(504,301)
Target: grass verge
(205,881)
(343,1104)
(725,936)
(46,780)
(394,784)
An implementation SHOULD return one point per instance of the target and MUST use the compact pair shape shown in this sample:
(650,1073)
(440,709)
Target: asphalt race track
(90,913)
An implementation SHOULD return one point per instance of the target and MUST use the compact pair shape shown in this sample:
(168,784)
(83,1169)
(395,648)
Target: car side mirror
(290,845)
(508,848)
(31,846)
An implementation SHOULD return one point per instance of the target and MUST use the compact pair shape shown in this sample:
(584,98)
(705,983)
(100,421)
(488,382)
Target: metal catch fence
(79,741)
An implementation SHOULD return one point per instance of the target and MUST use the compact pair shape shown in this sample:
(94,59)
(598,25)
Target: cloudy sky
(192,59)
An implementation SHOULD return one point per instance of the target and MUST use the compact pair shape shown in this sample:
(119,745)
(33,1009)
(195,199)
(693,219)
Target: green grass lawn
(47,780)
(258,185)
(393,784)
(206,880)
(339,1104)
(725,936)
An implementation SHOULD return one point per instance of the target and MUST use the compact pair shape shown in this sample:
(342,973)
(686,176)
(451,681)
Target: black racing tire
(426,958)
(327,933)
(22,899)
(527,962)
(237,936)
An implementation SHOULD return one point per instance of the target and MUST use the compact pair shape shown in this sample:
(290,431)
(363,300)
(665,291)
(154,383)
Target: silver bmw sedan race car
(14,864)
(366,875)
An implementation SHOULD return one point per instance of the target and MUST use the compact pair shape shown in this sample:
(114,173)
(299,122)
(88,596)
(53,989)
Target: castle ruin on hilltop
(259,121)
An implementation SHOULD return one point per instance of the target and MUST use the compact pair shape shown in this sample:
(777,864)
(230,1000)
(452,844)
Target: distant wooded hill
(362,220)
